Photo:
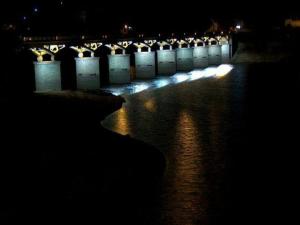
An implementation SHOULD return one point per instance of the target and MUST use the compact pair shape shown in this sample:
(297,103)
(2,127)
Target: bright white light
(140,87)
(238,27)
(117,93)
(136,87)
(223,70)
(178,78)
(220,71)
(210,71)
(196,74)
(161,83)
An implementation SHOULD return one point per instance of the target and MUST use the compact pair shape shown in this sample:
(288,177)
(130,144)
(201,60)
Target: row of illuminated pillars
(47,55)
(48,75)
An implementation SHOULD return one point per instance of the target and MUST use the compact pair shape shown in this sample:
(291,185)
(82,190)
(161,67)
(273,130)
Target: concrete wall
(225,53)
(47,76)
(214,55)
(166,62)
(200,57)
(88,73)
(145,65)
(184,59)
(119,69)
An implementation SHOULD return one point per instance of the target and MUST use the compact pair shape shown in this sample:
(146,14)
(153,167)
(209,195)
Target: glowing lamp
(80,54)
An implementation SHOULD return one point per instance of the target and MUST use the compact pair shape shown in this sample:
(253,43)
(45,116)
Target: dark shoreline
(59,164)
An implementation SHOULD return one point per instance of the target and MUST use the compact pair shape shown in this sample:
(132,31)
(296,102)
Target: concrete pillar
(145,65)
(166,62)
(214,55)
(47,76)
(225,53)
(88,73)
(119,69)
(184,59)
(200,57)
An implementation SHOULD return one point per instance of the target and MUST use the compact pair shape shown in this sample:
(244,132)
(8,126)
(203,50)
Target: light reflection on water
(186,122)
(185,195)
(159,82)
(150,105)
(121,124)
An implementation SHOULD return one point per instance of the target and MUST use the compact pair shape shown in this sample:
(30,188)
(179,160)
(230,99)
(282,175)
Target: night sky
(65,16)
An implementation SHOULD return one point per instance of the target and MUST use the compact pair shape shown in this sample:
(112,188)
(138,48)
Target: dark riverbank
(59,164)
(266,46)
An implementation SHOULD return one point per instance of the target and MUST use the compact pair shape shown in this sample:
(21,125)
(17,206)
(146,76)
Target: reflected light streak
(179,78)
(223,70)
(140,87)
(210,71)
(116,91)
(136,87)
(161,83)
(121,125)
(150,105)
(188,169)
(196,74)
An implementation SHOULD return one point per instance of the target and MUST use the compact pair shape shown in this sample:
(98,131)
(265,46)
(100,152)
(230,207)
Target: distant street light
(125,29)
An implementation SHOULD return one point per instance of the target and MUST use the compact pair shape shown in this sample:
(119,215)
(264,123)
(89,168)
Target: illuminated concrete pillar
(88,73)
(214,51)
(87,68)
(47,76)
(166,62)
(119,64)
(47,73)
(144,61)
(184,56)
(166,59)
(225,53)
(200,53)
(225,48)
(119,69)
(145,65)
(184,59)
(200,56)
(214,54)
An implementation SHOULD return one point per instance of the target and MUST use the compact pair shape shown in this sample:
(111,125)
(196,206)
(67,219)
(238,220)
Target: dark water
(214,133)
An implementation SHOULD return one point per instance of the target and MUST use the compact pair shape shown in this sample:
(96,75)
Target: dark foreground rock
(59,165)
